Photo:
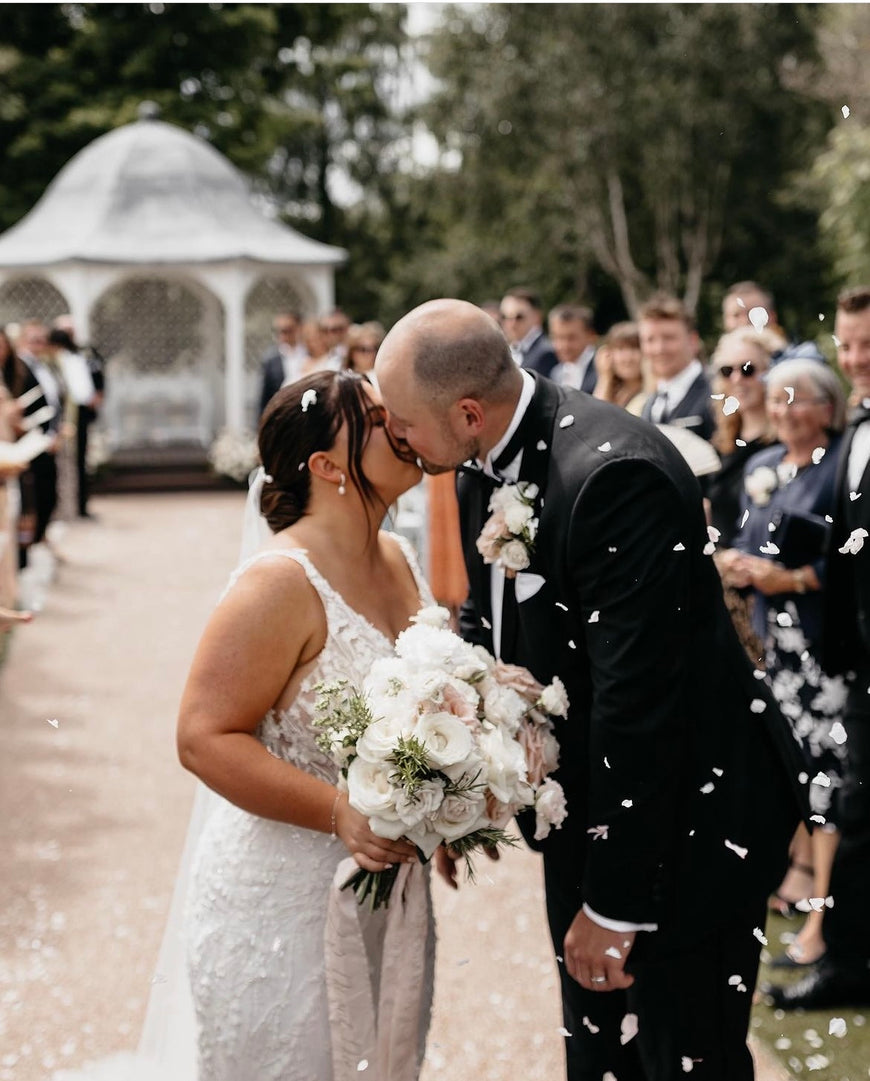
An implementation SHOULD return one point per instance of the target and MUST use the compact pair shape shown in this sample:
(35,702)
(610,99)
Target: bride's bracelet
(333,835)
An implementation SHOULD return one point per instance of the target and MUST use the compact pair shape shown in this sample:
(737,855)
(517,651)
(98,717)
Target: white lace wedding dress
(291,979)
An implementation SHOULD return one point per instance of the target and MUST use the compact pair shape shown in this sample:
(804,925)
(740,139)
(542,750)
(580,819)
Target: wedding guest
(842,979)
(575,341)
(522,320)
(363,342)
(669,342)
(9,498)
(336,326)
(739,366)
(749,304)
(81,404)
(284,361)
(779,553)
(313,340)
(623,376)
(39,484)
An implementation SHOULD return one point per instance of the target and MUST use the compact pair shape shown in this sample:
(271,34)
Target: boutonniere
(508,538)
(760,485)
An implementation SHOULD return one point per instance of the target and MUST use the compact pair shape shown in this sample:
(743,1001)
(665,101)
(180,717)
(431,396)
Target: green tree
(647,140)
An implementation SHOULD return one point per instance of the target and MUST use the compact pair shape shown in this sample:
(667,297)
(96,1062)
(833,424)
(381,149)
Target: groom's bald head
(452,350)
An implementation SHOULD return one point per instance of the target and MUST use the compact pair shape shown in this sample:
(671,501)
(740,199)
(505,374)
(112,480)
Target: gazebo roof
(151,192)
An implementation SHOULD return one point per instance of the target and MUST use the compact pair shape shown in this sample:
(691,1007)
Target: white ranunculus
(422,647)
(502,706)
(379,740)
(425,802)
(514,556)
(517,516)
(370,791)
(460,815)
(554,698)
(433,616)
(447,740)
(550,808)
(504,767)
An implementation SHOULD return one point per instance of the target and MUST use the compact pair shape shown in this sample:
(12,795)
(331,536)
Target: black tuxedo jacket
(846,598)
(273,377)
(693,412)
(539,357)
(671,748)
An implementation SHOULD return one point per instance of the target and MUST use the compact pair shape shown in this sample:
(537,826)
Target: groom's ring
(598,979)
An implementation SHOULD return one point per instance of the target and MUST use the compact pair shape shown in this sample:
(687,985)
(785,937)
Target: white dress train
(290,979)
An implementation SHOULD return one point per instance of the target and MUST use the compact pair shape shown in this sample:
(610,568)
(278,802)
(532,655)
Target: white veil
(167,1046)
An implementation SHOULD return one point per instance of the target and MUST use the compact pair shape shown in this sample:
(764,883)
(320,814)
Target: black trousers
(84,419)
(692,1010)
(847,928)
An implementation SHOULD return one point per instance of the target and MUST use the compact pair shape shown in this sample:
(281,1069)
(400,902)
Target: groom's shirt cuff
(618,925)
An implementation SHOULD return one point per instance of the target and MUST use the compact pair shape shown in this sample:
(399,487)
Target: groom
(681,775)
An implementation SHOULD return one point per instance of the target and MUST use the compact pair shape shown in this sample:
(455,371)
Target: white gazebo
(150,238)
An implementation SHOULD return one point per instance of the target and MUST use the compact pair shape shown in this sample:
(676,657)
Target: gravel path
(94,809)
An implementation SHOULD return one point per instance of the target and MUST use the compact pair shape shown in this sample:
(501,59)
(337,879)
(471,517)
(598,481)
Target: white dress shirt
(859,455)
(573,372)
(674,390)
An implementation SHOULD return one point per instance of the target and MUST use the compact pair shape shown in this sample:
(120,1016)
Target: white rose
(447,740)
(379,740)
(425,802)
(369,790)
(471,770)
(433,616)
(550,808)
(422,646)
(514,556)
(554,699)
(517,515)
(503,498)
(502,706)
(460,815)
(505,767)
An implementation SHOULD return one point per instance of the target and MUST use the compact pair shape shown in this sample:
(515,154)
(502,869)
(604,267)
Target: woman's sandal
(786,906)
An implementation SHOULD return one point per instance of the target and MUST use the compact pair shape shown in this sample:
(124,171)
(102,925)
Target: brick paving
(94,809)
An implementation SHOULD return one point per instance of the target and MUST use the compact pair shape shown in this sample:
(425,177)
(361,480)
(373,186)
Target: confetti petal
(628,1028)
(308,399)
(730,405)
(595,616)
(737,849)
(605,447)
(566,421)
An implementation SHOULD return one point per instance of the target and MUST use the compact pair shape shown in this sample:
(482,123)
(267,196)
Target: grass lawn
(806,1042)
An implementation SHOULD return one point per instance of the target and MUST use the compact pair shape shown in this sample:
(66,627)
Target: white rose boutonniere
(508,538)
(761,484)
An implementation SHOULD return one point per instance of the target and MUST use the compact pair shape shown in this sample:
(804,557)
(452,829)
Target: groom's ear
(470,414)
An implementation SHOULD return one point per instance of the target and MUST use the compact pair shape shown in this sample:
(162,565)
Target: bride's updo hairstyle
(301,419)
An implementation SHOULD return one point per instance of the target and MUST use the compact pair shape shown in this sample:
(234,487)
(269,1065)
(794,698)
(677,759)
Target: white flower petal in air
(707,788)
(713,533)
(819,820)
(758,705)
(790,394)
(566,421)
(595,616)
(760,935)
(628,1028)
(563,1032)
(687,1064)
(818,454)
(605,447)
(845,110)
(541,444)
(758,317)
(854,495)
(783,619)
(612,951)
(594,1029)
(769,549)
(854,543)
(730,405)
(718,772)
(737,849)
(838,733)
(599,833)
(628,803)
(739,442)
(709,548)
(837,1027)
(564,607)
(679,547)
(308,399)
(822,780)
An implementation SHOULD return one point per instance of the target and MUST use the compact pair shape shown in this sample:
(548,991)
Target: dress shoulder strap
(410,554)
(298,555)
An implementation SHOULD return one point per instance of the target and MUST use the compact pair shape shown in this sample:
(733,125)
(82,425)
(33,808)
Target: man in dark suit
(522,320)
(572,332)
(669,342)
(282,363)
(843,976)
(39,483)
(681,775)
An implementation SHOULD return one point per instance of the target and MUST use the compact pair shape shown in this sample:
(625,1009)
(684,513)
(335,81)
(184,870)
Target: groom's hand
(595,957)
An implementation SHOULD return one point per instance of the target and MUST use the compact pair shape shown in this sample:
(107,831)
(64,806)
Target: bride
(290,978)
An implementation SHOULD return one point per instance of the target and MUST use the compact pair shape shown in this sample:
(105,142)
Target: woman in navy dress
(778,553)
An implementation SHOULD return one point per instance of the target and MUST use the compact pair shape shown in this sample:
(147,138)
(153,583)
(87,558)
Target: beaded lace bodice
(352,645)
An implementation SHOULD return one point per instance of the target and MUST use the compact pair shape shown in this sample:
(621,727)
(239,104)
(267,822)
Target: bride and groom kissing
(680,774)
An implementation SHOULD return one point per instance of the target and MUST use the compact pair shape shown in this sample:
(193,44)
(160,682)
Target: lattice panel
(150,325)
(268,297)
(30,298)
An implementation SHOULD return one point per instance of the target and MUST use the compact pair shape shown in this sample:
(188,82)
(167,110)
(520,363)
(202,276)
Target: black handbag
(801,538)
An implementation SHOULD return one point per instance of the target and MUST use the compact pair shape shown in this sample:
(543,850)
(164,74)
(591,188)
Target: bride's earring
(341,488)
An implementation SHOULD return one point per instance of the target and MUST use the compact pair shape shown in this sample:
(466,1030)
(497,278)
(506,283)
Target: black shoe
(822,988)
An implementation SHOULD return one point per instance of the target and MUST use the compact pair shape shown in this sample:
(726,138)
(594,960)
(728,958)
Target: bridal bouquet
(443,743)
